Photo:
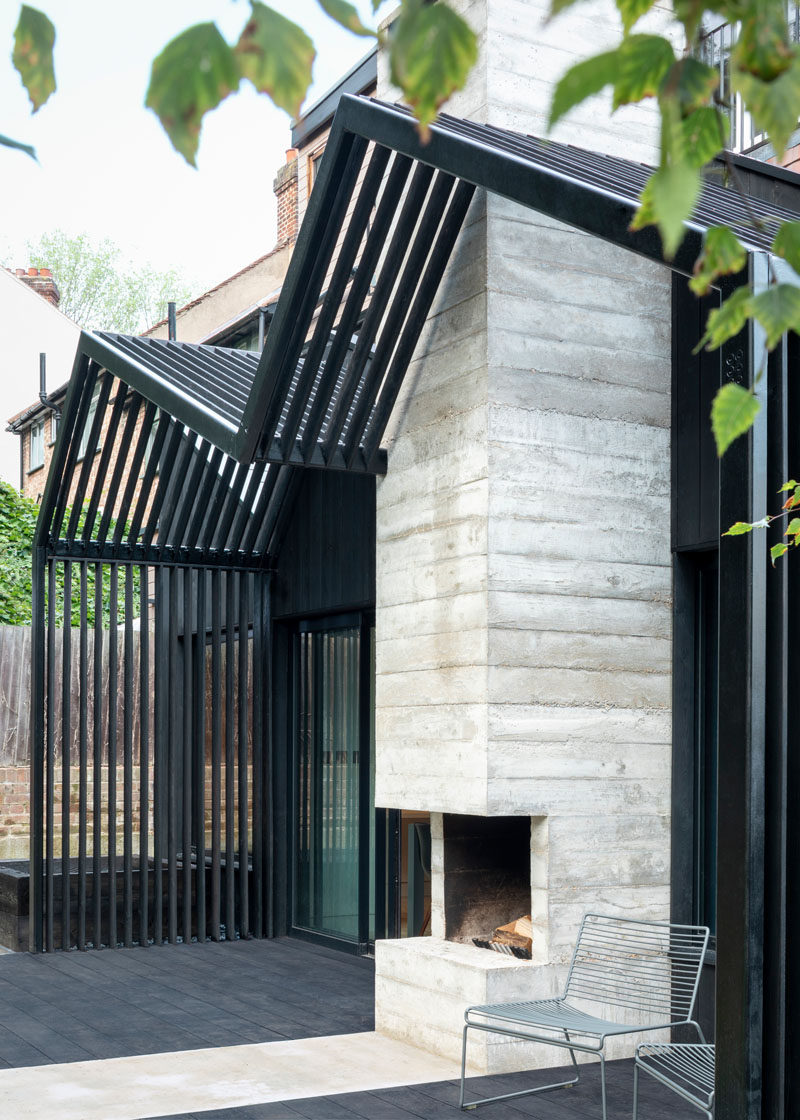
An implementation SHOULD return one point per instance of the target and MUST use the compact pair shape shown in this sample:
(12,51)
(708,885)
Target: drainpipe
(172,322)
(43,387)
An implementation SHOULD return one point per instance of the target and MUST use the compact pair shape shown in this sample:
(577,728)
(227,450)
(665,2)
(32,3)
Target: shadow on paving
(439,1101)
(73,1007)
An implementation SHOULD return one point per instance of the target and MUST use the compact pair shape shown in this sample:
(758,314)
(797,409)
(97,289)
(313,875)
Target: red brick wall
(15,809)
(285,187)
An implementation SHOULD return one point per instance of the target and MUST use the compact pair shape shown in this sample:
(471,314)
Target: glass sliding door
(330,760)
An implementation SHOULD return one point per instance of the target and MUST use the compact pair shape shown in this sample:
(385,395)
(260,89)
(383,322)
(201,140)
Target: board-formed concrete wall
(523,559)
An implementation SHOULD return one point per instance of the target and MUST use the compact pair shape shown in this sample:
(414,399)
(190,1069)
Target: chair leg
(521,1092)
(463,1065)
(603,1084)
(696,1026)
(635,1092)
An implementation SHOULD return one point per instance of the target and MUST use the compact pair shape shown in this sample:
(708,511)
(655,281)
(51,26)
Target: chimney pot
(45,272)
(33,271)
(19,271)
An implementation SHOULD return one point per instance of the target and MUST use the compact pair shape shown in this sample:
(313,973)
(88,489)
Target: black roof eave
(188,410)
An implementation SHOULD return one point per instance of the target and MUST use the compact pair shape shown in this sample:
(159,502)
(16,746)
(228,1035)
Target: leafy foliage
(34,39)
(732,413)
(99,289)
(723,254)
(276,55)
(347,16)
(17,523)
(432,50)
(192,74)
(791,532)
(18,516)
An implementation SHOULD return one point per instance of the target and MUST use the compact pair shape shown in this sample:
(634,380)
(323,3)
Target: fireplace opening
(487,874)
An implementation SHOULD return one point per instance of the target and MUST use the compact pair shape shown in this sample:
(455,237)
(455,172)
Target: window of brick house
(314,161)
(54,418)
(87,428)
(36,454)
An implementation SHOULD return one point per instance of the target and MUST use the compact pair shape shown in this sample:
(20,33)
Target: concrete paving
(157,1084)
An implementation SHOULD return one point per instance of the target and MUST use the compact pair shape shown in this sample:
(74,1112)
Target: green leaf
(689,13)
(726,321)
(722,255)
(774,105)
(701,136)
(193,74)
(762,46)
(7,142)
(644,61)
(787,243)
(276,55)
(347,16)
(692,83)
(793,528)
(34,38)
(667,201)
(739,528)
(558,6)
(777,310)
(583,80)
(778,550)
(432,50)
(632,10)
(733,412)
(790,485)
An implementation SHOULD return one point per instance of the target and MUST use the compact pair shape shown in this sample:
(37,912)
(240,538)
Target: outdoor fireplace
(487,874)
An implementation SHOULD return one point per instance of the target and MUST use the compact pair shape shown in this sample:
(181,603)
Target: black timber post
(740,792)
(36,928)
(791,825)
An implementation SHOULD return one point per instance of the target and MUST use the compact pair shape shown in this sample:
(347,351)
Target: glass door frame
(386,821)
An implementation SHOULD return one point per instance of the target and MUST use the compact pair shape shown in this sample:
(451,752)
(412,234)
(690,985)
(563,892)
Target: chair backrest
(649,968)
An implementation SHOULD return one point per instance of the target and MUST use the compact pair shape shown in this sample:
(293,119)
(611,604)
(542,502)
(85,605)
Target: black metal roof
(380,227)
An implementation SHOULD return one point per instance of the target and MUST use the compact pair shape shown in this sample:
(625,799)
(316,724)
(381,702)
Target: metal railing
(715,49)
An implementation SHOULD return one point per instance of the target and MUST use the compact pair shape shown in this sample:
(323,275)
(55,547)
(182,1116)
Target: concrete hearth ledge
(227,1077)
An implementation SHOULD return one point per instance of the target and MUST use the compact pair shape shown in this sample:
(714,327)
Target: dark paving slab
(439,1101)
(71,1007)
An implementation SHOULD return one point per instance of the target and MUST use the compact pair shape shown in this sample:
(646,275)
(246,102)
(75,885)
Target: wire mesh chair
(626,976)
(687,1068)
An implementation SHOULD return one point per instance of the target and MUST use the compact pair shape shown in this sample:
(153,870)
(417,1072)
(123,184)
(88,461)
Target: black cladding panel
(326,561)
(695,466)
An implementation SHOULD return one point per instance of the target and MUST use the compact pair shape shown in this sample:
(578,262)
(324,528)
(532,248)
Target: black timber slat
(308,383)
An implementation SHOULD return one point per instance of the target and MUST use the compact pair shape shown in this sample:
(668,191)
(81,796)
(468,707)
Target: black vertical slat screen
(50,755)
(186,763)
(148,773)
(199,726)
(172,761)
(243,581)
(127,716)
(113,666)
(230,728)
(83,747)
(145,583)
(97,759)
(151,729)
(66,696)
(216,750)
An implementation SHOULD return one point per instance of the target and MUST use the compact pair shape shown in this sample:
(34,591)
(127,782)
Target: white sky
(105,165)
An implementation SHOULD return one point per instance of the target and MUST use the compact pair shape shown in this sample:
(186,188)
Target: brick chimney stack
(41,280)
(285,187)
